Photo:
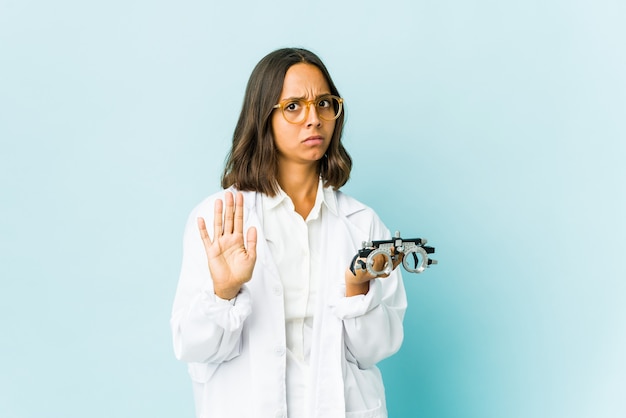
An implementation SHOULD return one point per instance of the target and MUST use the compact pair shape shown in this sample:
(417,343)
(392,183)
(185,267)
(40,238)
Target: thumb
(251,242)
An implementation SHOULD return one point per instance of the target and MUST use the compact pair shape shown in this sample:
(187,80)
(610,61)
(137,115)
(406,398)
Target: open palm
(231,260)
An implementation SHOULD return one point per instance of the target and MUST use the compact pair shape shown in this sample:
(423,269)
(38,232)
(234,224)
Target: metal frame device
(414,255)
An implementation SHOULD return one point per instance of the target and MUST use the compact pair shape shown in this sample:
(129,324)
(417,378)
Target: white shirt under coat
(237,352)
(295,245)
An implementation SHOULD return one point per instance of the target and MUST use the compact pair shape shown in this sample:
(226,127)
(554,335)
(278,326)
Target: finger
(398,260)
(238,227)
(379,262)
(217,218)
(229,211)
(206,240)
(251,242)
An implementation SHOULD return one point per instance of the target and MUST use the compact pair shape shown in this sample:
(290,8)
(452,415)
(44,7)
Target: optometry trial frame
(415,255)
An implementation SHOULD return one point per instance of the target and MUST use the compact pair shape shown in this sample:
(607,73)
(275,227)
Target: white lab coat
(236,352)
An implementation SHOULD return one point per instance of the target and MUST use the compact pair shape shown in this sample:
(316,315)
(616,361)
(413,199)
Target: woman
(278,325)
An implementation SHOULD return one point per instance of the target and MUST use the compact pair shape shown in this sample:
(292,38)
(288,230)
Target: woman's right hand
(230,261)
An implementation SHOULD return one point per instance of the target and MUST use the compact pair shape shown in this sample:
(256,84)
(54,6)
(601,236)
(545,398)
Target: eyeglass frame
(281,105)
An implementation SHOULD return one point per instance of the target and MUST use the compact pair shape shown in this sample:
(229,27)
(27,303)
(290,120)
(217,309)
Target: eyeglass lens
(327,107)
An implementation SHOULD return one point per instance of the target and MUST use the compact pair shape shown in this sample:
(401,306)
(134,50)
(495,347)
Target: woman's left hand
(359,282)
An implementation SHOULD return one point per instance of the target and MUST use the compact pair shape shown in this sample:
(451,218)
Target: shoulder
(205,208)
(361,215)
(349,206)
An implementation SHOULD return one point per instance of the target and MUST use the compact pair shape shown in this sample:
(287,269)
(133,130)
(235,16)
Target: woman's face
(305,142)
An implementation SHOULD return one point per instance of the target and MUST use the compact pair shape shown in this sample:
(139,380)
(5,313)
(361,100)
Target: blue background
(494,128)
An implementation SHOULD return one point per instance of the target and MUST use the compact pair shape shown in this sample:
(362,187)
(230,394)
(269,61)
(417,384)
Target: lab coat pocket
(378,412)
(201,372)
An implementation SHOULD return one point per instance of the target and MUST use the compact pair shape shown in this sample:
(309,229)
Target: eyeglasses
(328,107)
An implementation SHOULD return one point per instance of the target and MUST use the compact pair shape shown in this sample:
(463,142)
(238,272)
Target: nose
(312,117)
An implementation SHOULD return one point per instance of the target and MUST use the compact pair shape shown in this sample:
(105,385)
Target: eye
(324,103)
(294,106)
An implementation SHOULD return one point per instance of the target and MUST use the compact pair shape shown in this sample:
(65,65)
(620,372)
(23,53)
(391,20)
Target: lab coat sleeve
(205,328)
(372,322)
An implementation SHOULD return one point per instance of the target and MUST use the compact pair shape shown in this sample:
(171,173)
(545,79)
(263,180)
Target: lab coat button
(280,350)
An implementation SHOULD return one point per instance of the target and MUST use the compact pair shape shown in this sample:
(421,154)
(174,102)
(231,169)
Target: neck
(300,184)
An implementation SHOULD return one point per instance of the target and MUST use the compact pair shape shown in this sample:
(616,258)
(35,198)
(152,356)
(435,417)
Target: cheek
(331,129)
(282,131)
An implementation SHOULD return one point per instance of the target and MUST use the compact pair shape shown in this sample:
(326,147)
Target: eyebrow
(304,98)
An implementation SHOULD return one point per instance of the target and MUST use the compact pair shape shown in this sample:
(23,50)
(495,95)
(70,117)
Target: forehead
(304,80)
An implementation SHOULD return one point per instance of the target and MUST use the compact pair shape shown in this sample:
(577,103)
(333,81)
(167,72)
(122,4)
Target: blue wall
(495,129)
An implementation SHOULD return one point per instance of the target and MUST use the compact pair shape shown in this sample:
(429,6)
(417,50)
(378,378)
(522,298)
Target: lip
(314,139)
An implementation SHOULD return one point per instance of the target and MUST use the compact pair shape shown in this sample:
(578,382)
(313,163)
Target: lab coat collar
(325,196)
(336,202)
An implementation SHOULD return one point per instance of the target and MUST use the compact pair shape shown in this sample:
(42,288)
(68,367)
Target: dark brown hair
(252,163)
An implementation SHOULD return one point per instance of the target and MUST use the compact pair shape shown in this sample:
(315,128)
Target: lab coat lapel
(327,353)
(266,324)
